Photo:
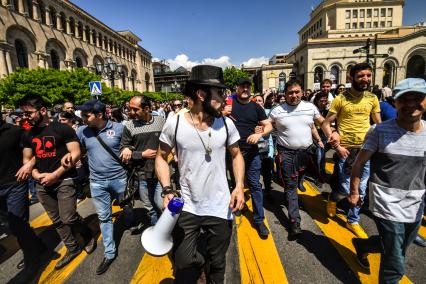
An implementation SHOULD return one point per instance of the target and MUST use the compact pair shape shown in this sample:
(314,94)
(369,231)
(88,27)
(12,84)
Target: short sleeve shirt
(202,177)
(353,117)
(293,124)
(49,146)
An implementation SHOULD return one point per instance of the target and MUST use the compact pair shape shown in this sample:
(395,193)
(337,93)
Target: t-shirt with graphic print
(49,146)
(353,117)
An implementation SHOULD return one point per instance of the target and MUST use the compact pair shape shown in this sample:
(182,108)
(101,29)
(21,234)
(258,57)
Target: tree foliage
(57,87)
(231,75)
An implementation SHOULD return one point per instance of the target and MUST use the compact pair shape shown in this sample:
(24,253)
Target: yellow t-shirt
(353,117)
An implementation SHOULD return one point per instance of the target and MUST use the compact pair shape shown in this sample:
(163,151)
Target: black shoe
(90,246)
(361,257)
(420,241)
(295,230)
(262,230)
(67,258)
(103,267)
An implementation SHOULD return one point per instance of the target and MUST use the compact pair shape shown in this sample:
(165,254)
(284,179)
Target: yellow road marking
(259,259)
(154,269)
(339,236)
(422,230)
(51,275)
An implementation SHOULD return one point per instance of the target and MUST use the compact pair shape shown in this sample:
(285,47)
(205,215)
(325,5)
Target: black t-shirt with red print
(48,144)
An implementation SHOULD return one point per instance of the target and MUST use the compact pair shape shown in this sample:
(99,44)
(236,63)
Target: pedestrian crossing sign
(95,88)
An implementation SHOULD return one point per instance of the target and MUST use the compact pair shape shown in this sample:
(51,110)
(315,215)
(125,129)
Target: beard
(208,108)
(357,86)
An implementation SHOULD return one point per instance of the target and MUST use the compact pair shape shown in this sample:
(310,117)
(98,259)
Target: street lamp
(110,71)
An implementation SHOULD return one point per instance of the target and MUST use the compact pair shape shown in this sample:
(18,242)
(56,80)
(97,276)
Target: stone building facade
(58,34)
(334,31)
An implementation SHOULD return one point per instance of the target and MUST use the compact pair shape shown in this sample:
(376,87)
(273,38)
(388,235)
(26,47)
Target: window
(383,12)
(361,25)
(355,13)
(54,57)
(318,74)
(376,12)
(390,12)
(389,23)
(78,62)
(382,24)
(348,14)
(375,24)
(335,74)
(368,13)
(354,25)
(368,25)
(21,53)
(347,26)
(362,13)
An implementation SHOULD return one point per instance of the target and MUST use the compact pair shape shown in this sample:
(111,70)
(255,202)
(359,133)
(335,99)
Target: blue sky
(220,32)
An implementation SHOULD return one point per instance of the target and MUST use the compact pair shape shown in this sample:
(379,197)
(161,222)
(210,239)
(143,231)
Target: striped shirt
(293,124)
(398,171)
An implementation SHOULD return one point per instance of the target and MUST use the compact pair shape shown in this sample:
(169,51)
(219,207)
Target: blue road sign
(95,88)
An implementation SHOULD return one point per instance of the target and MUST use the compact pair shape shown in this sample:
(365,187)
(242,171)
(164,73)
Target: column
(91,37)
(4,2)
(21,6)
(3,67)
(84,34)
(36,15)
(99,43)
(77,31)
(48,20)
(10,5)
(59,22)
(109,45)
(8,61)
(68,30)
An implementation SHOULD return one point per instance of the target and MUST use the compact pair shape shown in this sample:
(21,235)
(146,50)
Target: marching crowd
(207,150)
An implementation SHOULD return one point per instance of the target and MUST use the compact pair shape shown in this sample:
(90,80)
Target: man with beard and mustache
(246,115)
(56,188)
(200,138)
(397,150)
(352,110)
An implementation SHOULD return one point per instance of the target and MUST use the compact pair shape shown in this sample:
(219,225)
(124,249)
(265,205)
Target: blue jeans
(103,192)
(344,184)
(253,167)
(150,194)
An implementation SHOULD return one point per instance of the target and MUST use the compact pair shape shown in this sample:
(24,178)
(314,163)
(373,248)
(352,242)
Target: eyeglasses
(341,88)
(177,105)
(28,113)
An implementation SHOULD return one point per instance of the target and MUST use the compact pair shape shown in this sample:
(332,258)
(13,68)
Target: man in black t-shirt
(55,184)
(246,116)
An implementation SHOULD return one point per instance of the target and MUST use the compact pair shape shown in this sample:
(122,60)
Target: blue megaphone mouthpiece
(175,205)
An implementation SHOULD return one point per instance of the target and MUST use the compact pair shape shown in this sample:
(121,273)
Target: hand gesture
(66,161)
(24,172)
(47,179)
(237,199)
(149,154)
(254,138)
(126,155)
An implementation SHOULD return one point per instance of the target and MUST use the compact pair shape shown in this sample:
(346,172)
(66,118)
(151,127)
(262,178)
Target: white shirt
(202,178)
(293,124)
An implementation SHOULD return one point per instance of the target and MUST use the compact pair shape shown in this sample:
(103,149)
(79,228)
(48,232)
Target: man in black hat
(246,115)
(200,138)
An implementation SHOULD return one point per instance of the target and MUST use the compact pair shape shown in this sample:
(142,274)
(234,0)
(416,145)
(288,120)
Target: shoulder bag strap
(227,133)
(175,141)
(109,150)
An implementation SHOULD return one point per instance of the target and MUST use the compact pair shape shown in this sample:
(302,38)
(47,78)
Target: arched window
(416,67)
(318,74)
(54,57)
(53,20)
(63,21)
(72,26)
(147,83)
(335,74)
(21,53)
(281,82)
(78,62)
(42,10)
(87,31)
(29,8)
(80,29)
(388,74)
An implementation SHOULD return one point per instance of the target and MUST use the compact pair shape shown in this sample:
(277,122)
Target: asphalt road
(323,253)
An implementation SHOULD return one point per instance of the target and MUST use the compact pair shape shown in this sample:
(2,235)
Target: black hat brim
(211,83)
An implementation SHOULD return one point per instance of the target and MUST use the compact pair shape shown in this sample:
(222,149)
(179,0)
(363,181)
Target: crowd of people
(207,149)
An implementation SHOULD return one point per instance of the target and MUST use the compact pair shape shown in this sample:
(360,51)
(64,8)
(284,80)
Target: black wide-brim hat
(207,75)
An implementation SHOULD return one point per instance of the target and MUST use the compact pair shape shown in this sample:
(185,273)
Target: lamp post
(110,71)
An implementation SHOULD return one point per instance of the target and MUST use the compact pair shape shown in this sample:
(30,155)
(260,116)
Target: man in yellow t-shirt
(352,110)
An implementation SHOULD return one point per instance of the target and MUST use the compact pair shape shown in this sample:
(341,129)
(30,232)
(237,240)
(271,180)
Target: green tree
(231,75)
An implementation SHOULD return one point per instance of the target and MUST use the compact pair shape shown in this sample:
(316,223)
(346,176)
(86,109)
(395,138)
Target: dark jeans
(188,260)
(267,167)
(292,177)
(15,197)
(393,241)
(253,167)
(60,203)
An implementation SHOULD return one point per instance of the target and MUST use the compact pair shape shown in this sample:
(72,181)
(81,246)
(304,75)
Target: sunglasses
(177,105)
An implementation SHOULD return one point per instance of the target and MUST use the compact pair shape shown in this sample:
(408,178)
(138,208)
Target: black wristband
(169,190)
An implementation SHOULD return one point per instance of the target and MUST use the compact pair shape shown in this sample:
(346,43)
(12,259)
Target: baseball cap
(92,105)
(409,85)
(242,81)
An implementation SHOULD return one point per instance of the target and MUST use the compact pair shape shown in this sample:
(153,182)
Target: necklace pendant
(208,150)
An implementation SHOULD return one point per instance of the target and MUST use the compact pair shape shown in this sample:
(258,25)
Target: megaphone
(157,240)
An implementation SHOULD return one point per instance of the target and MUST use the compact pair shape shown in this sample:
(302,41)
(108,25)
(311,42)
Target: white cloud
(255,62)
(184,61)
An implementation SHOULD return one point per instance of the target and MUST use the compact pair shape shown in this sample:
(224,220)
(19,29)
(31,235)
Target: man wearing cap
(397,151)
(246,115)
(201,138)
(56,188)
(107,176)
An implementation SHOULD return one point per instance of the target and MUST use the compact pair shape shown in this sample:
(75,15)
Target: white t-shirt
(293,124)
(202,178)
